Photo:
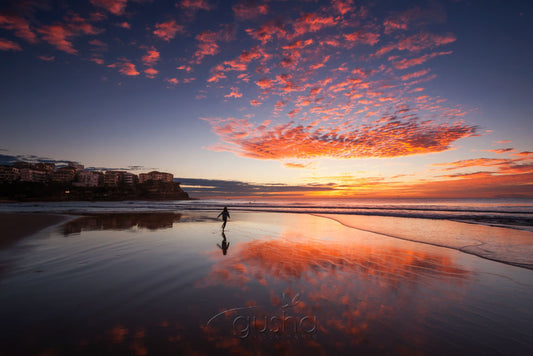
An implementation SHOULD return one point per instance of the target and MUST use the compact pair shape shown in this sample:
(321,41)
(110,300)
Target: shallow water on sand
(293,283)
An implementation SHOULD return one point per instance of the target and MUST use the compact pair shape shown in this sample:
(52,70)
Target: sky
(320,99)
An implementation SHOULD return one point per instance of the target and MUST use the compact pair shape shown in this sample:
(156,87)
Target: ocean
(504,212)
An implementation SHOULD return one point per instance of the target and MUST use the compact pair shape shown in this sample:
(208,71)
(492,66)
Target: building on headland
(33,175)
(156,176)
(78,167)
(47,167)
(113,178)
(9,173)
(88,179)
(64,174)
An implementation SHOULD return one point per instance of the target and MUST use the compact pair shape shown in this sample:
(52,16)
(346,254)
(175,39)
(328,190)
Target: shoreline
(16,226)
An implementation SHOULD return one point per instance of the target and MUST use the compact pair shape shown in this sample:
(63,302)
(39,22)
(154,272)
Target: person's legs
(224,224)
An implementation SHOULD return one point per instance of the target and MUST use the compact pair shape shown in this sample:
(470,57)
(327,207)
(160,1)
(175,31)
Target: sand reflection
(353,289)
(122,221)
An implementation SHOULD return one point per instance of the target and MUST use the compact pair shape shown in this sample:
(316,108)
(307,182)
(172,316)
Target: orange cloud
(234,93)
(363,37)
(342,6)
(19,26)
(249,10)
(406,63)
(151,57)
(125,67)
(390,138)
(6,45)
(501,150)
(167,30)
(47,58)
(116,7)
(60,35)
(125,25)
(418,43)
(150,72)
(195,5)
(267,31)
(312,23)
(172,81)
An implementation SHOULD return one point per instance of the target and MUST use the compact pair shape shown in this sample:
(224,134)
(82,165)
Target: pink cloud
(173,81)
(167,30)
(343,6)
(125,67)
(6,45)
(184,67)
(125,25)
(363,37)
(418,74)
(234,93)
(151,72)
(249,10)
(151,57)
(195,5)
(267,31)
(61,35)
(392,138)
(418,42)
(406,63)
(414,17)
(116,7)
(312,23)
(19,26)
(255,103)
(47,58)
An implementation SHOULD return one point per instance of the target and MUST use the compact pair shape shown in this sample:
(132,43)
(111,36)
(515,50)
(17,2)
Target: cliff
(152,190)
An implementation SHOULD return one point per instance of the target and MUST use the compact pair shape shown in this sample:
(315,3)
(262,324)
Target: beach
(174,282)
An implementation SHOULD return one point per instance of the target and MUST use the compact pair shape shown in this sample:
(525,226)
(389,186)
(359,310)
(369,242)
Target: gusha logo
(277,325)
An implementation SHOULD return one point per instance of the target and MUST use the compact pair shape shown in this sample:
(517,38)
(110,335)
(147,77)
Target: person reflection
(224,245)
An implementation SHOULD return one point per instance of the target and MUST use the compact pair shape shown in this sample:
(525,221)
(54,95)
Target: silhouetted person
(225,244)
(225,217)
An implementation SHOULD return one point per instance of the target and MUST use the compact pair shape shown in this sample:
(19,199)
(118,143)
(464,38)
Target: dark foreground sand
(14,227)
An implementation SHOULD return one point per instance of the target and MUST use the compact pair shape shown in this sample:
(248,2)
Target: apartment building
(156,176)
(9,173)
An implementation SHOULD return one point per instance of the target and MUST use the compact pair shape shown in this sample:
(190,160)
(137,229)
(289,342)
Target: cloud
(249,10)
(501,150)
(61,35)
(406,63)
(195,5)
(19,26)
(207,42)
(234,93)
(368,38)
(416,16)
(47,58)
(311,22)
(167,30)
(6,45)
(213,187)
(116,7)
(268,31)
(151,57)
(125,67)
(125,25)
(392,137)
(343,6)
(151,72)
(418,42)
(418,74)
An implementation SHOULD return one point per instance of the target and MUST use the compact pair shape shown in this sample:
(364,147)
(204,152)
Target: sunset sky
(336,98)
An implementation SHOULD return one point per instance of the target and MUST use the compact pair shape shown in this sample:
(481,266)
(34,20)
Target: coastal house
(64,174)
(33,175)
(156,176)
(9,173)
(87,179)
(113,178)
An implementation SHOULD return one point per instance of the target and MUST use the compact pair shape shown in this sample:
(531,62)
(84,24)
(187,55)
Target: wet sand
(14,227)
(286,283)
